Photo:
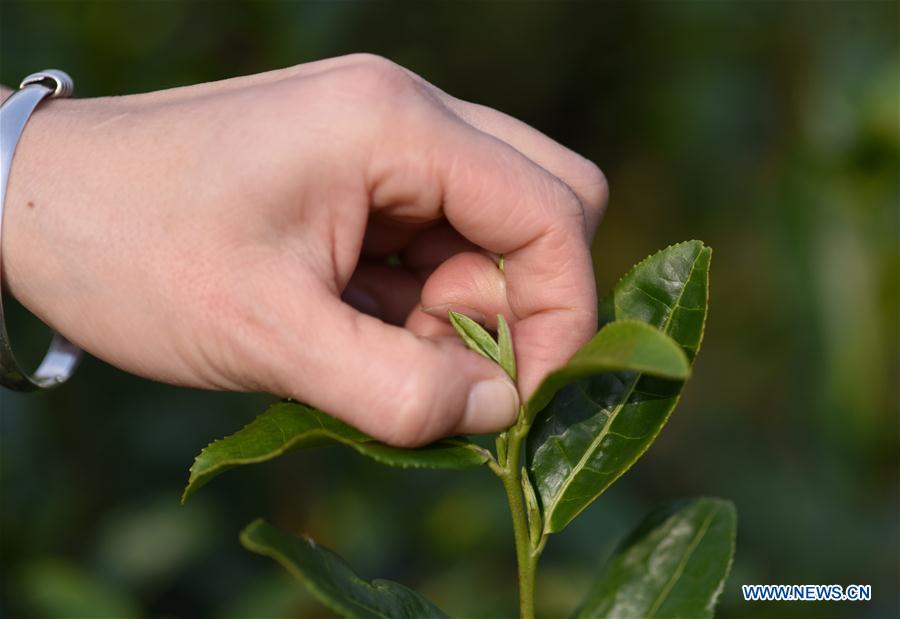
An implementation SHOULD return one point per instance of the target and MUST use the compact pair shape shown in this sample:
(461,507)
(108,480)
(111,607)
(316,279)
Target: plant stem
(526,555)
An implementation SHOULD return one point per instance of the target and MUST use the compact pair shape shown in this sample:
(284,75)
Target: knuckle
(596,187)
(413,414)
(584,320)
(368,59)
(421,412)
(377,77)
(571,212)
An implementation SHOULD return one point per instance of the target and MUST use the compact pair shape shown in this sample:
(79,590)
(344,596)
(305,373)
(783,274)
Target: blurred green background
(768,130)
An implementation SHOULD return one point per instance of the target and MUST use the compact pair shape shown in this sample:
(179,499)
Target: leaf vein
(679,569)
(615,412)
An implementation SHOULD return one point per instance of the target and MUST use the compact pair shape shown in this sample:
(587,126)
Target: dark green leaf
(507,356)
(624,345)
(289,425)
(673,565)
(596,428)
(674,278)
(332,581)
(475,336)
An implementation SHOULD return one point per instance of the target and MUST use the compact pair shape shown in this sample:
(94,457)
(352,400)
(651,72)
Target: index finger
(507,204)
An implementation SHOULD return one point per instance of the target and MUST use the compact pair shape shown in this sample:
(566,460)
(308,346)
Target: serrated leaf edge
(198,480)
(548,522)
(646,259)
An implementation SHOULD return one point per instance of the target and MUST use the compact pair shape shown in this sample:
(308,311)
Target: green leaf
(627,345)
(596,428)
(290,425)
(332,581)
(673,565)
(475,336)
(676,277)
(507,356)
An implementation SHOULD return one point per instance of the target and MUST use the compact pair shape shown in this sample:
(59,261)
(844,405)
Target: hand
(219,235)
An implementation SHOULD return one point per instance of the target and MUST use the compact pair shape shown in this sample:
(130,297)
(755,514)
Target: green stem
(526,555)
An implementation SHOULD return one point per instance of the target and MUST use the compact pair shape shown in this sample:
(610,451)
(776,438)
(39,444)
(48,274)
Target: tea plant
(585,425)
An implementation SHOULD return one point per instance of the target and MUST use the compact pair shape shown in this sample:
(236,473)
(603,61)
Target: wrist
(19,108)
(31,261)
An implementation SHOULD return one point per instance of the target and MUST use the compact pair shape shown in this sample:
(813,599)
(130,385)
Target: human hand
(210,235)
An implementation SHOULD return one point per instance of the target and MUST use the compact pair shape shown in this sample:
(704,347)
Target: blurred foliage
(769,130)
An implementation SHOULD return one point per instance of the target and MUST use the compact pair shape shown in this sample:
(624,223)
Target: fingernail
(492,406)
(440,311)
(361,300)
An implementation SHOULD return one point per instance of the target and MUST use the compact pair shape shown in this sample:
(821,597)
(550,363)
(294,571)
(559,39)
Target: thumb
(397,387)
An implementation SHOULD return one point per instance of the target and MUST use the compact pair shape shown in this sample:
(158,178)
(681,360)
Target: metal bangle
(62,357)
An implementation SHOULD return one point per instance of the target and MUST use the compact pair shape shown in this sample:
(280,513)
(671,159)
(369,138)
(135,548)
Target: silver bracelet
(62,357)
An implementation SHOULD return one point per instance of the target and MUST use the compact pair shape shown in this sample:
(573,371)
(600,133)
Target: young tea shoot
(584,426)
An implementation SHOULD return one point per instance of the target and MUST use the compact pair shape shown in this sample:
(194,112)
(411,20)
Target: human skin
(233,235)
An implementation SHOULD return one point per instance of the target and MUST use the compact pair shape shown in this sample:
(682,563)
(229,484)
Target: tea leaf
(596,428)
(290,425)
(673,565)
(328,577)
(669,288)
(624,345)
(507,356)
(475,336)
